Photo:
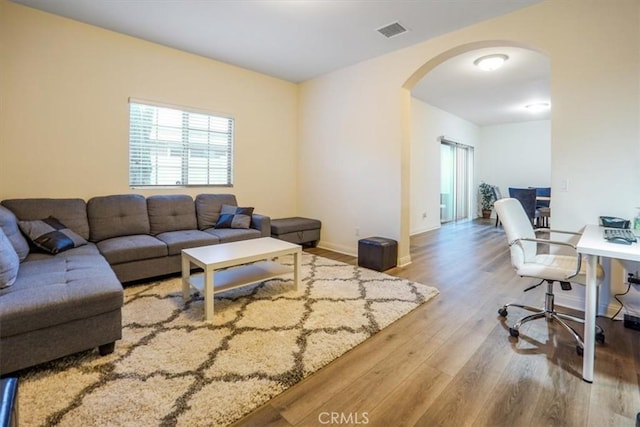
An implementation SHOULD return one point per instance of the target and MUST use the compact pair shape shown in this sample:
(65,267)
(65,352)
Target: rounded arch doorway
(421,215)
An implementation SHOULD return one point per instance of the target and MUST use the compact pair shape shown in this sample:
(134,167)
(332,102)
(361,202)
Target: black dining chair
(527,198)
(543,192)
(497,195)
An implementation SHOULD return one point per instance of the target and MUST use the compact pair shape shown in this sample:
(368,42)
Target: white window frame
(179,146)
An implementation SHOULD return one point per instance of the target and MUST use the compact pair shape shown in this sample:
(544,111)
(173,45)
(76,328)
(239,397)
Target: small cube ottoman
(377,253)
(302,231)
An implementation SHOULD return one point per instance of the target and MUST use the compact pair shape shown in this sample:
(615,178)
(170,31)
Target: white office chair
(550,268)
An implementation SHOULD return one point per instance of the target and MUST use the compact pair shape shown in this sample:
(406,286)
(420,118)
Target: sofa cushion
(234,217)
(183,239)
(9,225)
(88,249)
(117,215)
(227,235)
(293,224)
(57,290)
(208,207)
(171,213)
(50,235)
(70,212)
(9,262)
(132,248)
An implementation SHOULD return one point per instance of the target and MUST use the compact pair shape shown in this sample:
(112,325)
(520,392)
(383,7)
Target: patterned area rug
(171,368)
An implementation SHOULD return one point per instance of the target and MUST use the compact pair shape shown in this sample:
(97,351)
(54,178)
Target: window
(171,146)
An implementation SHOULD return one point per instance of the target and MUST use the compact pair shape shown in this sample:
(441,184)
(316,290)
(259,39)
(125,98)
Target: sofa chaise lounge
(69,299)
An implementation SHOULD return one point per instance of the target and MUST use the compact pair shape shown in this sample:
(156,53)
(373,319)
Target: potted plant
(486,199)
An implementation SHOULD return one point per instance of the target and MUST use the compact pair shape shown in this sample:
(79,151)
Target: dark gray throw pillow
(9,262)
(50,235)
(234,217)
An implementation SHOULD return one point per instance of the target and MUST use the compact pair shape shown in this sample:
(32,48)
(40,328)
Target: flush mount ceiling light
(491,62)
(538,107)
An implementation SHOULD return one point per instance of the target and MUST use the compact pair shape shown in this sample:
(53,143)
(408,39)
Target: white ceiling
(297,40)
(489,97)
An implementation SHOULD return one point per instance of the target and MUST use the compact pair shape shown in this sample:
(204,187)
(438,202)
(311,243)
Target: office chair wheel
(600,337)
(514,332)
(503,312)
(580,351)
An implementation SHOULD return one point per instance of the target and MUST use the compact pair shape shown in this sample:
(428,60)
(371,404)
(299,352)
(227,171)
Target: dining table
(544,211)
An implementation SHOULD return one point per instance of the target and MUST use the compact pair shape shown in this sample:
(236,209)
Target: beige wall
(64,119)
(515,155)
(428,123)
(350,170)
(594,49)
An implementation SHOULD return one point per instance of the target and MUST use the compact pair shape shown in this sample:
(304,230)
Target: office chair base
(514,331)
(549,313)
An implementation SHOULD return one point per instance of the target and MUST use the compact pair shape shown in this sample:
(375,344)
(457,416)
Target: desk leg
(296,269)
(590,312)
(186,275)
(208,294)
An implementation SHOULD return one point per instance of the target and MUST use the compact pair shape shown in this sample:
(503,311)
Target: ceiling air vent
(392,30)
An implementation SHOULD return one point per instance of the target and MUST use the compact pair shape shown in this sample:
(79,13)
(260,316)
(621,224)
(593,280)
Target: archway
(410,83)
(444,56)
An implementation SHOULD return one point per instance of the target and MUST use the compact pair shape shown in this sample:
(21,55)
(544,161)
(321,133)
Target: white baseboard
(424,230)
(338,248)
(402,262)
(576,302)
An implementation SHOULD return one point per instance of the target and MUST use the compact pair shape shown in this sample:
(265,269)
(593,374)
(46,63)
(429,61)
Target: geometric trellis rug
(173,369)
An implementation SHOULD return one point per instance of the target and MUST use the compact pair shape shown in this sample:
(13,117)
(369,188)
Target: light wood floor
(451,362)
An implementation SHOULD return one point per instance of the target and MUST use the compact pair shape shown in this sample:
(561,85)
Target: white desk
(592,245)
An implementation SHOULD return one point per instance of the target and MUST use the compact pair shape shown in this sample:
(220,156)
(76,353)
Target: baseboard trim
(577,303)
(404,261)
(337,248)
(425,230)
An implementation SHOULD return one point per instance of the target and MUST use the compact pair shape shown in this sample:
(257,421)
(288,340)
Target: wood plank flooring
(451,362)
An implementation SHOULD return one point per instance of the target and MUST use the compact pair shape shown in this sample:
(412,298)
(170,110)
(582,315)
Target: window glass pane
(170,146)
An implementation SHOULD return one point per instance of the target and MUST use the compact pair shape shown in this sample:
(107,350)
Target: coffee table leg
(208,294)
(186,274)
(296,269)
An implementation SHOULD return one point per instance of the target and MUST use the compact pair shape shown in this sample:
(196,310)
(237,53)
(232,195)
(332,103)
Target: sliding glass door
(456,162)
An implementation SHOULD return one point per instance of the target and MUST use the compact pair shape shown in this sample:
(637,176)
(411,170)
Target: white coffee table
(250,261)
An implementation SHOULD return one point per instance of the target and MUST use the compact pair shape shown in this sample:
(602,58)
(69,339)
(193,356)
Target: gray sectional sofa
(69,301)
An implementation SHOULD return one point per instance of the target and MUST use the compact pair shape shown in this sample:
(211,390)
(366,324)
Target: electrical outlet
(357,231)
(633,279)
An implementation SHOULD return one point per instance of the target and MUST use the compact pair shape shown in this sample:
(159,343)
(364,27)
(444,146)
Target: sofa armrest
(261,223)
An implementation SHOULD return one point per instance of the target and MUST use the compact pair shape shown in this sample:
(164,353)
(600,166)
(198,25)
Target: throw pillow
(9,262)
(50,235)
(9,224)
(234,217)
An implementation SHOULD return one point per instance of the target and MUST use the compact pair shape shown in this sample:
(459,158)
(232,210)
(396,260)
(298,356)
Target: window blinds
(172,146)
